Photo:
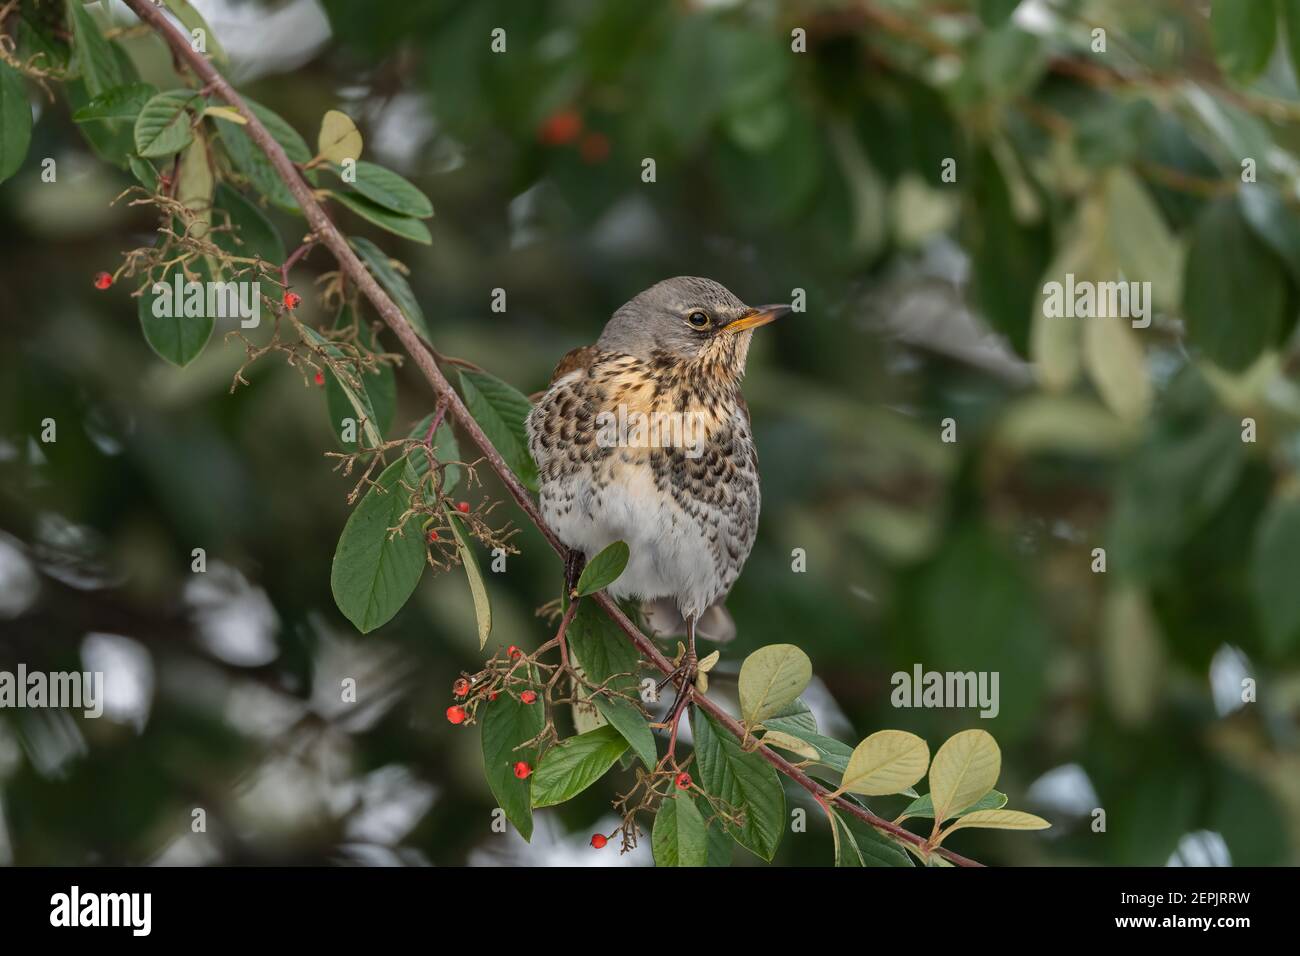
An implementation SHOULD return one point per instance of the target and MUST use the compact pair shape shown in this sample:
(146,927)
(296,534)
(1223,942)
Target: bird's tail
(663,619)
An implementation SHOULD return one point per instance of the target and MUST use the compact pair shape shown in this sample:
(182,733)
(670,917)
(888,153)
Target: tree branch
(330,236)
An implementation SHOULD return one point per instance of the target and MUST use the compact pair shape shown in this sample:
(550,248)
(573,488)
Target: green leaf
(1234,288)
(718,842)
(295,147)
(797,721)
(445,449)
(859,844)
(604,569)
(404,226)
(501,411)
(1244,33)
(482,608)
(119,103)
(144,172)
(889,761)
(607,658)
(964,770)
(573,765)
(385,187)
(508,723)
(745,782)
(794,718)
(1268,215)
(254,164)
(373,574)
(830,752)
(250,233)
(338,139)
(394,283)
(178,338)
(679,837)
(1272,573)
(112,140)
(193,20)
(15,121)
(922,806)
(770,679)
(360,401)
(1142,242)
(163,126)
(100,69)
(379,388)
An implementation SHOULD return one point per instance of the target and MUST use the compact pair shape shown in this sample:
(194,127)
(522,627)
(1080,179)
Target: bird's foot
(684,677)
(574,562)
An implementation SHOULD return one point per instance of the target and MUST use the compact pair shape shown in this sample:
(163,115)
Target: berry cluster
(565,127)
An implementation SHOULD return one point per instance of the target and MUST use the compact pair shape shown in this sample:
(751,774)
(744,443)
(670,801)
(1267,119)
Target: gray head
(689,319)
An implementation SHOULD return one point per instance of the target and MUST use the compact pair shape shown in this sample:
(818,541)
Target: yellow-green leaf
(1117,366)
(889,761)
(226,113)
(777,738)
(965,768)
(771,678)
(998,820)
(482,608)
(194,186)
(339,138)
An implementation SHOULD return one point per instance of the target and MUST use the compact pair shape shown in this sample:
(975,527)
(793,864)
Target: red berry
(514,652)
(103,280)
(560,128)
(292,300)
(320,378)
(433,536)
(492,696)
(522,770)
(598,841)
(683,781)
(528,696)
(456,714)
(463,507)
(594,148)
(460,688)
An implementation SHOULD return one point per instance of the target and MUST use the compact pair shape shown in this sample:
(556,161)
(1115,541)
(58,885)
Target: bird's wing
(574,361)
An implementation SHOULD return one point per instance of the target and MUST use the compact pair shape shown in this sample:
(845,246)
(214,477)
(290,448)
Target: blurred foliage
(1167,156)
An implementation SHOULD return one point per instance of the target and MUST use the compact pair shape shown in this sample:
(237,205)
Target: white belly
(670,555)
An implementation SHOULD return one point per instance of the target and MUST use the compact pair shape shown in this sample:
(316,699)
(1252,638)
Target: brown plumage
(683,491)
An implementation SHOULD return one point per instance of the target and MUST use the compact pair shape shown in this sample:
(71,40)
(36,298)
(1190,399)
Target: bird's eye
(697,320)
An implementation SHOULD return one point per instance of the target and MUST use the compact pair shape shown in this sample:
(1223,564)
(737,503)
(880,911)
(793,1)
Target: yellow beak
(756,317)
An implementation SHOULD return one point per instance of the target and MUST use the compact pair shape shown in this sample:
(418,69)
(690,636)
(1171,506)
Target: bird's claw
(685,672)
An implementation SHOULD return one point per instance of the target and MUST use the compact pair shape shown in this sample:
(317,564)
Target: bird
(684,496)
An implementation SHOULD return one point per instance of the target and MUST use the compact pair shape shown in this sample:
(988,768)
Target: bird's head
(690,321)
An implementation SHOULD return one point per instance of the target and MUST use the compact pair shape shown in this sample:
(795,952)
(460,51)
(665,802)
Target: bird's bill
(756,317)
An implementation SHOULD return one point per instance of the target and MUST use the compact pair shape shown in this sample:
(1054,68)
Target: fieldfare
(644,437)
